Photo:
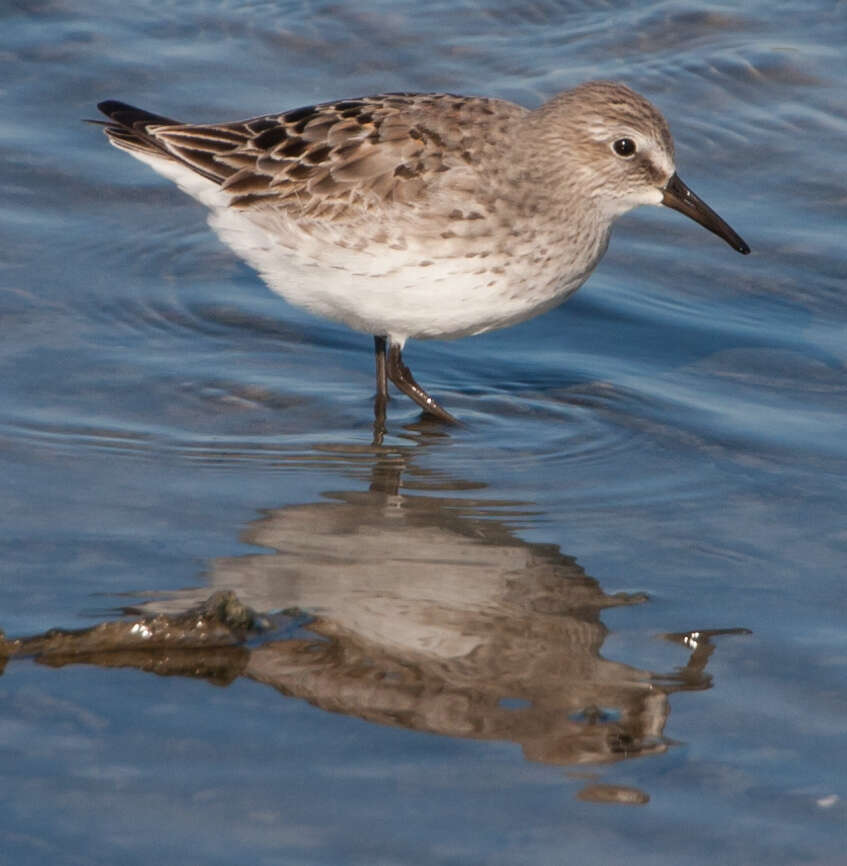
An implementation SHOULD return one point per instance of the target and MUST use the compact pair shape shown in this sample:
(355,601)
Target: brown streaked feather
(246,181)
(237,159)
(390,147)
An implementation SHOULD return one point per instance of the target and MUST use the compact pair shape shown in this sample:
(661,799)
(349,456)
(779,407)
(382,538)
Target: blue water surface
(603,621)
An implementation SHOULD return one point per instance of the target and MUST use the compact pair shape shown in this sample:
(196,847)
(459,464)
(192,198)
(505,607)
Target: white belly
(427,290)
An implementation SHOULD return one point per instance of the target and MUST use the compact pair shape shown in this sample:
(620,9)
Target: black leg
(402,377)
(381,390)
(381,377)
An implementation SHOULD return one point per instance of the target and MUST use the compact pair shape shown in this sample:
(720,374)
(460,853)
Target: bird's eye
(624,147)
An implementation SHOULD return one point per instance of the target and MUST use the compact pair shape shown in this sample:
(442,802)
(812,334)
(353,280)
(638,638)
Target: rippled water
(480,639)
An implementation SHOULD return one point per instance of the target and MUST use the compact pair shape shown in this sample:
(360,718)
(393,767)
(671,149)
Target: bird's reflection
(424,611)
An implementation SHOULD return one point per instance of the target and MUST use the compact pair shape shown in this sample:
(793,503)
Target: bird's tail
(127,127)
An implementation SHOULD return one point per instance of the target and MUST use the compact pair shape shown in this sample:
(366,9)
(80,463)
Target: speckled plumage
(420,215)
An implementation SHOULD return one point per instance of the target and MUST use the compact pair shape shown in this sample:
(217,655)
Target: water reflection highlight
(422,611)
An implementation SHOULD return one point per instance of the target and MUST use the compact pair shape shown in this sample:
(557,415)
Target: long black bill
(678,196)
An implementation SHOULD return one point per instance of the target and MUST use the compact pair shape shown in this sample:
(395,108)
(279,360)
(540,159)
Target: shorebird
(423,215)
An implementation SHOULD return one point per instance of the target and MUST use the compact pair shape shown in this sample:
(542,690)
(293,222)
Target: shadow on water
(409,609)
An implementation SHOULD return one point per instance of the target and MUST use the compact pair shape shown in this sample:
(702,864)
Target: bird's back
(338,160)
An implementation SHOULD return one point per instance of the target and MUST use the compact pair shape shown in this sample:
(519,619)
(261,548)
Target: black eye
(624,147)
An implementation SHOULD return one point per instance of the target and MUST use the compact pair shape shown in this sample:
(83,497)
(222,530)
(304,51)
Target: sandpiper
(423,215)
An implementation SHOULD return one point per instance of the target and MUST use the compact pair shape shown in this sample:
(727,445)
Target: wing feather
(350,155)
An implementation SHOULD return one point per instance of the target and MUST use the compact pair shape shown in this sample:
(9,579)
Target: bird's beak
(678,196)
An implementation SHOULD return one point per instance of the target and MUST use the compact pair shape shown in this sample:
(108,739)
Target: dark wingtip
(110,106)
(125,114)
